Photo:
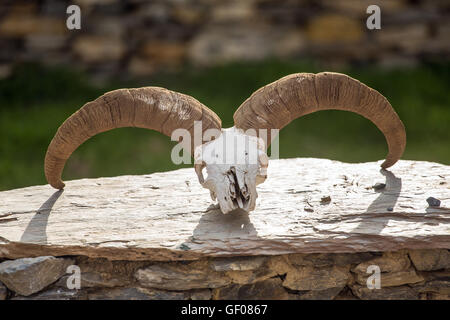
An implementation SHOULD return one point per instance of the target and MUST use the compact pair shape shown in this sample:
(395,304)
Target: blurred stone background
(218,52)
(139,38)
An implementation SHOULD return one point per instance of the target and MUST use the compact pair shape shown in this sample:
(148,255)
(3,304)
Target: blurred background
(219,52)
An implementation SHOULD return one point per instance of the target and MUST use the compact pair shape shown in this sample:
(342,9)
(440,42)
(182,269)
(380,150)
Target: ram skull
(235,161)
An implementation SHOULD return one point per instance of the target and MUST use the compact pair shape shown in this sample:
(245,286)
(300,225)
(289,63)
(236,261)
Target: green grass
(35,100)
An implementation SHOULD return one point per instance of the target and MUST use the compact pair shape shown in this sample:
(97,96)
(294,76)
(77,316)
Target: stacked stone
(405,274)
(139,38)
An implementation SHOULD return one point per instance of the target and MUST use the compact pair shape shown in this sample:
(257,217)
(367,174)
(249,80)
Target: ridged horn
(149,107)
(277,104)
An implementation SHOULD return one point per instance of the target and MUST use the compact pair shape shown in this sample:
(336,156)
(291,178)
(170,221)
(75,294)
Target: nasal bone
(238,188)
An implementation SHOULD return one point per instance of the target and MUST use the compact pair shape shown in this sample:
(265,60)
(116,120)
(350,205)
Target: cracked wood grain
(161,217)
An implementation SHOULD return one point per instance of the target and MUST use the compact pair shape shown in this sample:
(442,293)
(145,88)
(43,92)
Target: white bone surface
(235,166)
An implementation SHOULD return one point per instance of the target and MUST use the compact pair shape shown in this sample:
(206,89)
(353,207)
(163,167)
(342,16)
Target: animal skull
(235,163)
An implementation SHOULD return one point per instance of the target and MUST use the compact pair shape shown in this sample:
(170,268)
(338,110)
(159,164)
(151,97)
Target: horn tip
(58,185)
(387,163)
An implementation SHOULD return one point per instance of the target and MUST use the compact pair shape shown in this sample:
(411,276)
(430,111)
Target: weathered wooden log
(305,206)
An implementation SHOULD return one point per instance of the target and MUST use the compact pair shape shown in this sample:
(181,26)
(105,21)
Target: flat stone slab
(169,216)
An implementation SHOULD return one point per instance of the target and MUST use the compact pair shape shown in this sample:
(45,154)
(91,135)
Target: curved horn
(150,107)
(277,104)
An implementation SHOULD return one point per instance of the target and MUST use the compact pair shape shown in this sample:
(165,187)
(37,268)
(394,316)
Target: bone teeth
(232,189)
(239,201)
(244,191)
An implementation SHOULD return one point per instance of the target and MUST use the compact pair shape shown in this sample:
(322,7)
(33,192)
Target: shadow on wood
(235,224)
(384,203)
(36,231)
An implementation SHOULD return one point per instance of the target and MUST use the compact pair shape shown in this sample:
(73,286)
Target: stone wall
(140,37)
(405,274)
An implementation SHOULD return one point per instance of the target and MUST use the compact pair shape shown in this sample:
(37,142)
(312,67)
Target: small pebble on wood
(325,199)
(433,202)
